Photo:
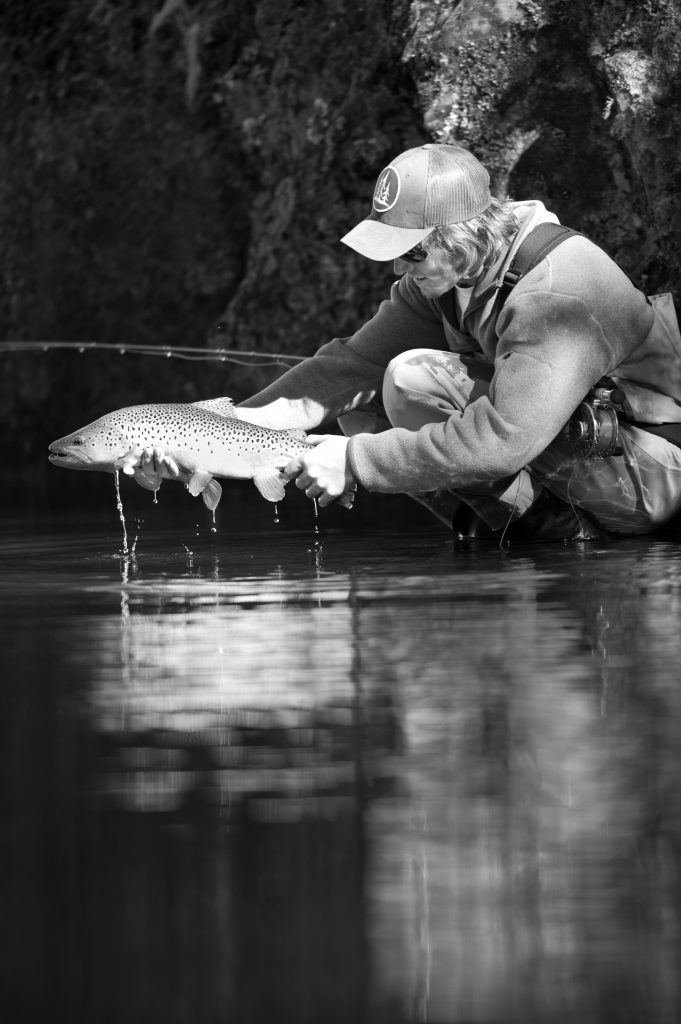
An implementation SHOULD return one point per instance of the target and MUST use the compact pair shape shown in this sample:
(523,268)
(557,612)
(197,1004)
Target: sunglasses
(415,255)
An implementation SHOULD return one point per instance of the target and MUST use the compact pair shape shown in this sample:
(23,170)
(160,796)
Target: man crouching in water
(460,387)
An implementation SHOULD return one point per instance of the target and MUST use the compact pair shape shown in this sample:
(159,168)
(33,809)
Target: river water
(267,774)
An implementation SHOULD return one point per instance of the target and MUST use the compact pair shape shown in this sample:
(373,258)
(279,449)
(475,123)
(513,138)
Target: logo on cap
(387,190)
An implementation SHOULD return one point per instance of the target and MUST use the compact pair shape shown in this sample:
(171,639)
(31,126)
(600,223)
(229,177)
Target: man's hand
(148,468)
(324,472)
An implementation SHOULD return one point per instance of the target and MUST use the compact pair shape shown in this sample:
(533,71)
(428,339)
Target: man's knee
(425,385)
(413,370)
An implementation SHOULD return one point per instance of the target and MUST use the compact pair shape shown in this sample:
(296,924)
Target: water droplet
(121,516)
(276,514)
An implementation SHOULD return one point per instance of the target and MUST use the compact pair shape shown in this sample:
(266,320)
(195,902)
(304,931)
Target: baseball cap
(423,188)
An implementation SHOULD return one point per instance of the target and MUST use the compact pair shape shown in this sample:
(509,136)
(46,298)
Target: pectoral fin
(149,483)
(271,483)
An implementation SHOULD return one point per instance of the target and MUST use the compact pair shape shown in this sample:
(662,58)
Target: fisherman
(460,389)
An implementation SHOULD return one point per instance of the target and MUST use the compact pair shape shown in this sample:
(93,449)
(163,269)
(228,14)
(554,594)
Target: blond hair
(476,244)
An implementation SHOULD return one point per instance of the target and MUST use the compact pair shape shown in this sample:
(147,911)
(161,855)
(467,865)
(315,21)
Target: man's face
(435,273)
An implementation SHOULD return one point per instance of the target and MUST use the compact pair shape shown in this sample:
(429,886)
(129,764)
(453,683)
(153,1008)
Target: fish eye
(78,440)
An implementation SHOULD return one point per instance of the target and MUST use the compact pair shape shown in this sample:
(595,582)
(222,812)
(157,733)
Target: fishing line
(579,515)
(510,516)
(570,501)
(187,352)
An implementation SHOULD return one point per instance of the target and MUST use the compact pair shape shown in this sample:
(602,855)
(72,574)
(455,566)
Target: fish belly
(238,465)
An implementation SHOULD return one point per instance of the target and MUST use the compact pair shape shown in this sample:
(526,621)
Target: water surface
(267,775)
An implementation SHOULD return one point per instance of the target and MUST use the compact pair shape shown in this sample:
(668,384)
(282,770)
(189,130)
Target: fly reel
(593,428)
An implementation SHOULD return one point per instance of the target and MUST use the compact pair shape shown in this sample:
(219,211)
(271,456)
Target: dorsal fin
(222,406)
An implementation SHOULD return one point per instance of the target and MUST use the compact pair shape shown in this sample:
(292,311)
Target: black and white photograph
(340,511)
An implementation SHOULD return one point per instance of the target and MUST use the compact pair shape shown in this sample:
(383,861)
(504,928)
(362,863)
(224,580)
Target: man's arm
(546,362)
(348,372)
(345,373)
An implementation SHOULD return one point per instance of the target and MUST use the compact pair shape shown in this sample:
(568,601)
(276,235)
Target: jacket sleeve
(550,351)
(348,372)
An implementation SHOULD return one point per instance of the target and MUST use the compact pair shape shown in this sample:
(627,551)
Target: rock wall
(573,102)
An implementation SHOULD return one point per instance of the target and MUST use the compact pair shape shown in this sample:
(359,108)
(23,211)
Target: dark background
(180,173)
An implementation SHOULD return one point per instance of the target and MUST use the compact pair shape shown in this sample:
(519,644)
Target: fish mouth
(61,454)
(61,457)
(64,459)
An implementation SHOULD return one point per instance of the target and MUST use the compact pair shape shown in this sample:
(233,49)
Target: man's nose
(401,266)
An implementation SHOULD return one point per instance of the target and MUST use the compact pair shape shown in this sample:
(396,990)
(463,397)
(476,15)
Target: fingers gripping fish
(204,439)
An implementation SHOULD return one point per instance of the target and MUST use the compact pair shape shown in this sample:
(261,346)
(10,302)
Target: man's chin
(430,290)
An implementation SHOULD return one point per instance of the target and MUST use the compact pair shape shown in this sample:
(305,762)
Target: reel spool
(593,430)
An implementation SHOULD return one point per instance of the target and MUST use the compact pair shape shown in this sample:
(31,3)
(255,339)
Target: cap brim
(379,241)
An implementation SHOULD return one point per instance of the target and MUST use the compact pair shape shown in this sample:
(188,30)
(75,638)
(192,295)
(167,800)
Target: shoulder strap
(532,250)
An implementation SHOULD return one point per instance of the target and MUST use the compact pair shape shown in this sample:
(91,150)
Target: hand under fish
(151,466)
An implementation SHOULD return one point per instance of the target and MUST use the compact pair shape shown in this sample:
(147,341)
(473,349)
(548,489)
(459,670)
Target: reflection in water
(360,780)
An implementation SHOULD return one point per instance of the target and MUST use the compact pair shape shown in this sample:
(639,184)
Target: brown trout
(205,439)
